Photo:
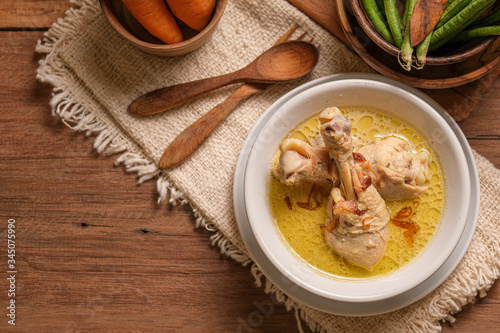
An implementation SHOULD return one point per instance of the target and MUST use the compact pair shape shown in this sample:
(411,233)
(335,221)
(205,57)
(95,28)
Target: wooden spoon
(283,62)
(193,136)
(424,18)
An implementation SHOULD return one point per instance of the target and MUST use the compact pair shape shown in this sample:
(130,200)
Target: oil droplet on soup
(301,228)
(365,123)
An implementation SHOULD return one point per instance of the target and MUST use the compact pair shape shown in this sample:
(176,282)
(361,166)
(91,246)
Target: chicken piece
(300,162)
(358,230)
(357,227)
(336,133)
(396,171)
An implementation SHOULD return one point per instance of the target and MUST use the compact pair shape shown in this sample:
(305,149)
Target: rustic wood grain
(460,101)
(94,251)
(30,14)
(324,12)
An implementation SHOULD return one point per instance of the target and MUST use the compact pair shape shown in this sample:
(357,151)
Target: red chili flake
(288,202)
(366,182)
(350,206)
(358,157)
(332,224)
(402,219)
(314,200)
(404,213)
(367,226)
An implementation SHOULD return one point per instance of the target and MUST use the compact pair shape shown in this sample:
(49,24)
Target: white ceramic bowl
(413,107)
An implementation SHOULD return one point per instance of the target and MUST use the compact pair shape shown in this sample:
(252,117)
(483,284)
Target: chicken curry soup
(300,211)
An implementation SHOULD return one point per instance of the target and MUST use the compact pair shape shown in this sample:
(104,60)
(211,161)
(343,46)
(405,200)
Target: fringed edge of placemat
(76,117)
(482,281)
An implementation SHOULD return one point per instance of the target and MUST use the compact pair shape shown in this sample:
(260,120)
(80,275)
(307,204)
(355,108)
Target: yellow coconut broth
(301,228)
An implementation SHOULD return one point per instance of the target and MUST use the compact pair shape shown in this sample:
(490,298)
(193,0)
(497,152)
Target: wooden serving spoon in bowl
(424,19)
(283,62)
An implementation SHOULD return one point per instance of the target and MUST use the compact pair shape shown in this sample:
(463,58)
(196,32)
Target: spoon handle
(193,136)
(164,99)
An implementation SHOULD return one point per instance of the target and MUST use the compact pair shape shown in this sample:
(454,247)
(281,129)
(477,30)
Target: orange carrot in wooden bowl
(195,13)
(155,17)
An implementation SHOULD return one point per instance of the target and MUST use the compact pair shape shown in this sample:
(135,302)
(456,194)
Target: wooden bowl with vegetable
(164,27)
(447,43)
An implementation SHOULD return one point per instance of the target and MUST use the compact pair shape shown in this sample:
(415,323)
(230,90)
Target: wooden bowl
(447,68)
(128,27)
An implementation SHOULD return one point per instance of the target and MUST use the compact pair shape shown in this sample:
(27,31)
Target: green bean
(488,20)
(379,11)
(377,20)
(406,13)
(457,31)
(458,21)
(476,32)
(451,10)
(405,57)
(394,21)
(460,27)
(421,51)
(380,6)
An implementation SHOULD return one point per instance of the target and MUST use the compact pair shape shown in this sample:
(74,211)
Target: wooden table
(94,251)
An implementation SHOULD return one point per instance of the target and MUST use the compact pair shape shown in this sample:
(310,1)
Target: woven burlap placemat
(96,74)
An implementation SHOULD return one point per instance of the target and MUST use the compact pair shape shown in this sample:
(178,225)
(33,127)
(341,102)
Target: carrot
(195,13)
(155,17)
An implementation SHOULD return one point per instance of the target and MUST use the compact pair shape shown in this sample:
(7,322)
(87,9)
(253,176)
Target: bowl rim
(364,22)
(284,260)
(109,13)
(347,308)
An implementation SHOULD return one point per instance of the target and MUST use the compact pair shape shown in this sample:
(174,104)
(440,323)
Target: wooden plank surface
(323,12)
(30,14)
(94,251)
